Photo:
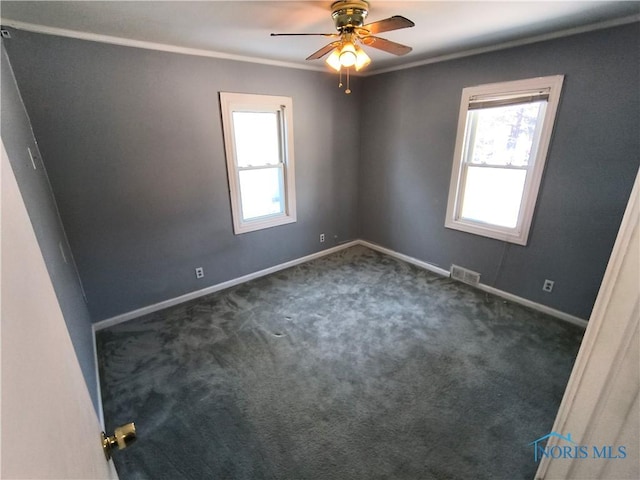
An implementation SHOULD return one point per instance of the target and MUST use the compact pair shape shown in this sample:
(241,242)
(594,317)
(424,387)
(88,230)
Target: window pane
(502,135)
(257,138)
(493,195)
(262,192)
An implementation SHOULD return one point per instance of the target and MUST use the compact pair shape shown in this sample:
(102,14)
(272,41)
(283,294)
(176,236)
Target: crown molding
(162,47)
(127,42)
(510,44)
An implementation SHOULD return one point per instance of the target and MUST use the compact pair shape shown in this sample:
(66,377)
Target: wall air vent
(464,275)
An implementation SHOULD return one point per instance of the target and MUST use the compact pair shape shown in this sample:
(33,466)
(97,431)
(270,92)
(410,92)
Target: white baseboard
(276,268)
(400,256)
(485,288)
(534,305)
(109,322)
(100,411)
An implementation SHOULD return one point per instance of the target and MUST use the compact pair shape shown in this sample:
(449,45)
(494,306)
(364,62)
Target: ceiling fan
(348,17)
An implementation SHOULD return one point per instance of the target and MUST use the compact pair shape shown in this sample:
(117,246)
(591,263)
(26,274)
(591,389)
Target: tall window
(258,135)
(503,136)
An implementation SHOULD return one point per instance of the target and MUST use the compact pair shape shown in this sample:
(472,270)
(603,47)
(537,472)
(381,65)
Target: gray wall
(409,121)
(132,142)
(133,145)
(17,136)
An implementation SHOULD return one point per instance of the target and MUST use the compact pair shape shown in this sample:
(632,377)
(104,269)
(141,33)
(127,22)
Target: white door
(48,426)
(601,408)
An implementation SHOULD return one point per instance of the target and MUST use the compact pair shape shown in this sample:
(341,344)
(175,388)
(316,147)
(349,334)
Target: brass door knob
(122,437)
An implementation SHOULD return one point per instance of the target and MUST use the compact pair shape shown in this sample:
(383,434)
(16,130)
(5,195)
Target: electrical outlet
(199,272)
(322,238)
(548,286)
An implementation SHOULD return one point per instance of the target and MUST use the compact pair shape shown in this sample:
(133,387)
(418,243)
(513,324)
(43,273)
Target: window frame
(552,86)
(244,102)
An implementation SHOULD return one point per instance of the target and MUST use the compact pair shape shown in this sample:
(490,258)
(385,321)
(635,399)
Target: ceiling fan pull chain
(348,90)
(340,82)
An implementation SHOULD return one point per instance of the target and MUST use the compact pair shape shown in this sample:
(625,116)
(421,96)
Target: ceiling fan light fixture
(345,51)
(333,60)
(348,56)
(362,59)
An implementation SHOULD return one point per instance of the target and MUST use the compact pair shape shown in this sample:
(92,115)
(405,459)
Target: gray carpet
(353,366)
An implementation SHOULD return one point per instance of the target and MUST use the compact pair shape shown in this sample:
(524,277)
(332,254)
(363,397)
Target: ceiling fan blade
(303,34)
(392,23)
(323,51)
(386,45)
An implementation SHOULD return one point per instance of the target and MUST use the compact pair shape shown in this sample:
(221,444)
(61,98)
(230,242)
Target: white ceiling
(443,28)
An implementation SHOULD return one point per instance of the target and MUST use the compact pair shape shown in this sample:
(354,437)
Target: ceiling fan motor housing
(349,15)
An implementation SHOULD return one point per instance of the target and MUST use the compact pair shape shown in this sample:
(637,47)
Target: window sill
(258,224)
(511,236)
